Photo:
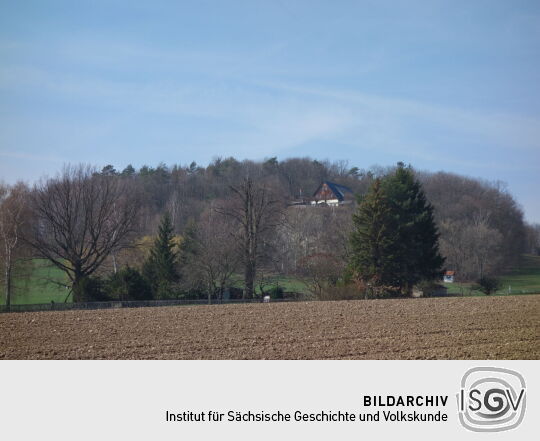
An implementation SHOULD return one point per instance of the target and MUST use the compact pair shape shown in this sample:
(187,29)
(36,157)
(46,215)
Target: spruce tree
(160,267)
(374,240)
(417,250)
(395,241)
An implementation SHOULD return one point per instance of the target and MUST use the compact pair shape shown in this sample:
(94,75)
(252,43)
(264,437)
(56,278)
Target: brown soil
(451,328)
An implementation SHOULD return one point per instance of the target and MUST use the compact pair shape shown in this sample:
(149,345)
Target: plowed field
(450,328)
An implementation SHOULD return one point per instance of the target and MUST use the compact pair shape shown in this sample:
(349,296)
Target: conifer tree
(417,251)
(395,241)
(373,242)
(160,267)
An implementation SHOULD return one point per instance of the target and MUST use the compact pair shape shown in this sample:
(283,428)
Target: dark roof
(338,190)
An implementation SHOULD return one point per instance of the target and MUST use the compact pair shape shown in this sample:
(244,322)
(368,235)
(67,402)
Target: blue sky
(443,85)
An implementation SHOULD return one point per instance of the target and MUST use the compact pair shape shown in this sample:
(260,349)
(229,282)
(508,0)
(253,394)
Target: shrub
(93,290)
(128,284)
(275,292)
(488,285)
(430,288)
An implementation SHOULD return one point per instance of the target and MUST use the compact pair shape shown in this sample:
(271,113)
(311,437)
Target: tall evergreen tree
(395,242)
(374,240)
(160,267)
(418,245)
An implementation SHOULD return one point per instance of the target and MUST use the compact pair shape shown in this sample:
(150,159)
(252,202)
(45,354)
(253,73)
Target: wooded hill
(481,226)
(480,222)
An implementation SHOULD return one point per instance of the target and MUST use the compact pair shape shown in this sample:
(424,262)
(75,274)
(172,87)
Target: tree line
(160,232)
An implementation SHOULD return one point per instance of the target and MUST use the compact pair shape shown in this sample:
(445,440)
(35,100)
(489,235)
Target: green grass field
(524,278)
(287,283)
(36,281)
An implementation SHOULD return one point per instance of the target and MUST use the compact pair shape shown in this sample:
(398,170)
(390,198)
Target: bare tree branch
(257,211)
(82,218)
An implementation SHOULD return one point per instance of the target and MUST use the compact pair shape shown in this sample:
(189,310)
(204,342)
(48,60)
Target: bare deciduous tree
(217,257)
(256,211)
(320,272)
(459,202)
(12,218)
(82,217)
(484,246)
(313,230)
(533,239)
(472,248)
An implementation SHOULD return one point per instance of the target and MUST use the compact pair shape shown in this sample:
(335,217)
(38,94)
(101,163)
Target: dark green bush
(93,289)
(128,284)
(276,292)
(488,285)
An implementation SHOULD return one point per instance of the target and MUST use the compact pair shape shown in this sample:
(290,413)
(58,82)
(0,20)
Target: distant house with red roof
(330,193)
(449,276)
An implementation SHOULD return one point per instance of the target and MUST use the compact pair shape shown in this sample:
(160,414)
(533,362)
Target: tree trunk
(115,269)
(78,287)
(249,280)
(8,284)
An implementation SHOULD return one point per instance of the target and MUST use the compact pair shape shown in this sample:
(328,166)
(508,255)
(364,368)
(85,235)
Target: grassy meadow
(36,281)
(524,278)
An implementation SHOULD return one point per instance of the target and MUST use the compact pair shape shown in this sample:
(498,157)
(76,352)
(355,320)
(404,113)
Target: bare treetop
(82,217)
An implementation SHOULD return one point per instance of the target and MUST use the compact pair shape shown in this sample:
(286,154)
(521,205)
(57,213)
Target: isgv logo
(491,399)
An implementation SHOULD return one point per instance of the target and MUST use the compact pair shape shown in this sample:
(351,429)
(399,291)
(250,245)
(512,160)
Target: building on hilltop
(330,193)
(327,194)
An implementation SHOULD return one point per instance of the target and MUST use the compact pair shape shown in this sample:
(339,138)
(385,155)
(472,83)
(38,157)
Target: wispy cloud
(435,83)
(30,156)
(520,132)
(274,117)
